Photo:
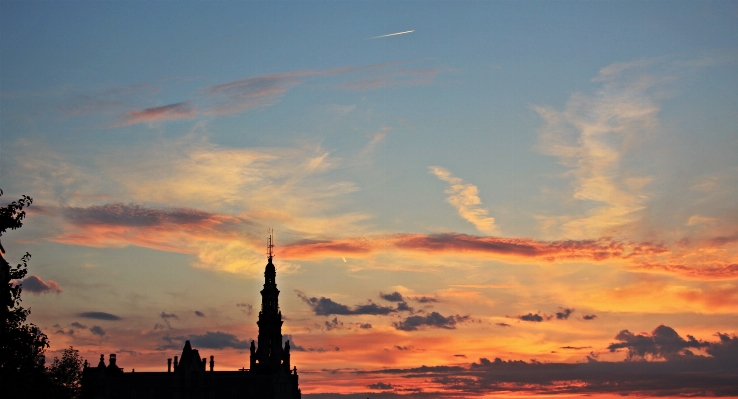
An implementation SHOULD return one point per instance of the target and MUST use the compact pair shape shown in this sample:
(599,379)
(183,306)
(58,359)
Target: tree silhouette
(22,345)
(66,374)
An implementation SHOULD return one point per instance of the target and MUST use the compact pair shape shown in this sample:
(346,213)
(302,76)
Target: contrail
(395,34)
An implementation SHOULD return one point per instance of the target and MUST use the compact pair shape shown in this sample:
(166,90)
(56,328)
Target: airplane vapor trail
(395,34)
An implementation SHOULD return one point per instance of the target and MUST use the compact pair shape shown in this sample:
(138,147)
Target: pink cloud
(37,286)
(181,110)
(172,229)
(524,248)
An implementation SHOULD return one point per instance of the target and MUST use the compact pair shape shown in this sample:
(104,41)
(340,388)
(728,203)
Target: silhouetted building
(269,375)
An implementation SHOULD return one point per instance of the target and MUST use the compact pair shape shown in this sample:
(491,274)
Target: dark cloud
(393,297)
(420,370)
(299,348)
(433,320)
(173,343)
(247,308)
(365,325)
(97,330)
(166,316)
(564,313)
(575,347)
(325,307)
(503,325)
(134,215)
(218,340)
(403,348)
(425,299)
(531,317)
(199,313)
(334,324)
(78,325)
(673,376)
(98,316)
(662,343)
(464,356)
(37,286)
(726,350)
(128,352)
(380,385)
(403,307)
(589,316)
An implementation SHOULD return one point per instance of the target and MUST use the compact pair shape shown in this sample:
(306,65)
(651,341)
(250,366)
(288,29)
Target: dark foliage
(66,374)
(22,345)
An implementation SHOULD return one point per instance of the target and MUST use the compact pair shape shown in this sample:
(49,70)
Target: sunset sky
(514,198)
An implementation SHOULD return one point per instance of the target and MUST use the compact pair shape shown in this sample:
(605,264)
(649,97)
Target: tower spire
(270,354)
(270,245)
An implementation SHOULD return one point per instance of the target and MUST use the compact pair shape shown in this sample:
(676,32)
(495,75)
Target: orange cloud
(635,256)
(720,272)
(172,229)
(496,247)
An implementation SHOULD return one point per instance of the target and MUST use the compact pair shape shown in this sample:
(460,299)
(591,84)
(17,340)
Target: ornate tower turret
(269,353)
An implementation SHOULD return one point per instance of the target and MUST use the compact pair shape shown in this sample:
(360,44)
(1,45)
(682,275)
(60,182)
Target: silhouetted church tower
(269,376)
(270,355)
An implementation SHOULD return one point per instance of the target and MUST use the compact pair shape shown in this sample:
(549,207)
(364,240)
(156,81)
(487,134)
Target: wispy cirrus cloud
(398,77)
(591,137)
(106,100)
(266,90)
(169,112)
(465,198)
(227,196)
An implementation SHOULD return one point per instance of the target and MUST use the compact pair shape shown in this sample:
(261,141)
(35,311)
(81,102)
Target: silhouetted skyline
(534,182)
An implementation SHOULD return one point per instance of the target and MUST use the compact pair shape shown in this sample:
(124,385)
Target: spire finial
(270,245)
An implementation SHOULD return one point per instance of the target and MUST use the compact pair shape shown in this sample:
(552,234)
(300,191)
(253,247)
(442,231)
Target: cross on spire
(270,245)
